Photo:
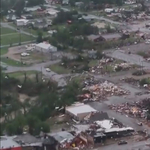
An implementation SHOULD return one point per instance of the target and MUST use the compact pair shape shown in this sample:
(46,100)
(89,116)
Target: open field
(6,31)
(11,62)
(59,69)
(14,38)
(3,51)
(20,74)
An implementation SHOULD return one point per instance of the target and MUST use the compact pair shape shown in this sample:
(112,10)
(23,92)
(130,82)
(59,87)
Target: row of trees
(16,115)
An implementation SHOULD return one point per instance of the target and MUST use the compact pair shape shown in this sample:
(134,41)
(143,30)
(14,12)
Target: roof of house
(50,140)
(81,127)
(6,142)
(105,124)
(98,116)
(80,108)
(118,129)
(62,136)
(26,138)
(111,36)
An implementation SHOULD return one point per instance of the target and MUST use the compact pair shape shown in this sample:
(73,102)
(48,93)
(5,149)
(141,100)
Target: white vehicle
(48,70)
(25,54)
(147,42)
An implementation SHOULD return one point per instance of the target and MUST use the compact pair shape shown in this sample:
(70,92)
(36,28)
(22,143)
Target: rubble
(135,109)
(102,90)
(131,81)
(106,63)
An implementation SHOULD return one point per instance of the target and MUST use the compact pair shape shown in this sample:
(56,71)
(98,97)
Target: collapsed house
(105,89)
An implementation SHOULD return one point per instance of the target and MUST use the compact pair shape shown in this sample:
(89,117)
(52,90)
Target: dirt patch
(23,97)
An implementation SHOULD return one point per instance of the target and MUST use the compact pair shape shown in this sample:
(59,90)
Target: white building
(79,110)
(31,9)
(109,10)
(52,12)
(45,47)
(21,22)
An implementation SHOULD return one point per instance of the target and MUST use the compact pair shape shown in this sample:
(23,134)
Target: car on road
(48,70)
(122,142)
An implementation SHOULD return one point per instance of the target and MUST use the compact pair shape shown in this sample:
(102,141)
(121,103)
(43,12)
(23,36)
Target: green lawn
(3,51)
(93,63)
(11,62)
(21,73)
(59,69)
(35,32)
(6,31)
(14,38)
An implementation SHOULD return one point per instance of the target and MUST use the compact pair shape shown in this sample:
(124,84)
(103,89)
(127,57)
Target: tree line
(32,114)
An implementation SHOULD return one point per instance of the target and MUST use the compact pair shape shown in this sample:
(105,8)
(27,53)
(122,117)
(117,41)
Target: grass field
(59,69)
(11,62)
(6,31)
(3,51)
(14,38)
(21,73)
(93,63)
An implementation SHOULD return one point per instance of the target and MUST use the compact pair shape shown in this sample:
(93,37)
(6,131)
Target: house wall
(82,115)
(40,49)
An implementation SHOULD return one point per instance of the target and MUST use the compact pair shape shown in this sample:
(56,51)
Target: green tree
(39,37)
(19,6)
(11,129)
(41,126)
(32,121)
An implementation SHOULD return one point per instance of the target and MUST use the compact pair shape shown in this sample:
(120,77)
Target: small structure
(11,17)
(7,143)
(45,47)
(51,12)
(21,22)
(27,140)
(62,136)
(109,10)
(98,116)
(79,111)
(49,143)
(32,9)
(65,2)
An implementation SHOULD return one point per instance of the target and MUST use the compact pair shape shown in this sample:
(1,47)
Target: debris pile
(99,68)
(104,89)
(122,66)
(136,109)
(108,64)
(131,81)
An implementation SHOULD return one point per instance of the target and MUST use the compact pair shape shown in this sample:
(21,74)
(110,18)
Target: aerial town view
(75,75)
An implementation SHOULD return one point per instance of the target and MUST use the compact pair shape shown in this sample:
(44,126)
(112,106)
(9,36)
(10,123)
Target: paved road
(41,67)
(130,146)
(130,58)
